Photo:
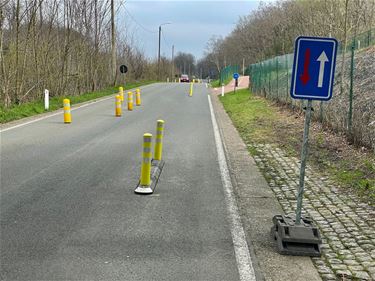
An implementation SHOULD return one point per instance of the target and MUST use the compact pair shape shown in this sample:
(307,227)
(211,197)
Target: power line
(140,25)
(165,41)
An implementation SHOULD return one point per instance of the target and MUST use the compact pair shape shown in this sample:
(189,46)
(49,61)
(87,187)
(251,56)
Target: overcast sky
(192,23)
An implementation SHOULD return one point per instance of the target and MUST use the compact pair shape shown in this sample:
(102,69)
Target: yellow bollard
(67,114)
(121,92)
(130,101)
(138,97)
(159,140)
(145,179)
(118,106)
(191,90)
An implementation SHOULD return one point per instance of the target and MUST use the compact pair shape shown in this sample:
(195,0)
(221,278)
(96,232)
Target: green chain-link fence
(227,72)
(351,110)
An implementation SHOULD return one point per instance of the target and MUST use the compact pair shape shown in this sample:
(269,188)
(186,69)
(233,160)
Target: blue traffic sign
(313,68)
(236,75)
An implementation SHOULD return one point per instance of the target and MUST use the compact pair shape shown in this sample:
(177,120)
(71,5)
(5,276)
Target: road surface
(68,211)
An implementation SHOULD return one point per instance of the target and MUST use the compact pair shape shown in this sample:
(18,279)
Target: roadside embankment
(339,186)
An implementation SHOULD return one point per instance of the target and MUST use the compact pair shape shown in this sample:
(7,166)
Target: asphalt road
(68,211)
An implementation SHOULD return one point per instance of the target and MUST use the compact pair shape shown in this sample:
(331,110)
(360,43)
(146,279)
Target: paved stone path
(347,226)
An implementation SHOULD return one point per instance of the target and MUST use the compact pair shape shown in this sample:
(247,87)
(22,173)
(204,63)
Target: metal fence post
(269,77)
(277,79)
(350,116)
(369,38)
(321,112)
(287,79)
(262,89)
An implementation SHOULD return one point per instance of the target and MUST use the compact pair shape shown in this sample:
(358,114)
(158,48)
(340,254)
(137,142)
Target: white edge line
(243,258)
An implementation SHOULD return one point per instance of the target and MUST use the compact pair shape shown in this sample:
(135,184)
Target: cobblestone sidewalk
(347,226)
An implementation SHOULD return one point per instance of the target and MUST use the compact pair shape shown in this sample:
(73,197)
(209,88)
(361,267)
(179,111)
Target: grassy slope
(259,121)
(36,107)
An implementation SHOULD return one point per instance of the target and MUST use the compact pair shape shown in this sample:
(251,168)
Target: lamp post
(159,48)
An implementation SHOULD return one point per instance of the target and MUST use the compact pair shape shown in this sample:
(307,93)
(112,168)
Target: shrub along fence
(352,107)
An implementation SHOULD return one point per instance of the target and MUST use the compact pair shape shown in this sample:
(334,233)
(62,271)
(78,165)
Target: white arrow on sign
(322,59)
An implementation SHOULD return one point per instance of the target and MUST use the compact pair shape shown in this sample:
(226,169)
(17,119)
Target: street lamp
(159,48)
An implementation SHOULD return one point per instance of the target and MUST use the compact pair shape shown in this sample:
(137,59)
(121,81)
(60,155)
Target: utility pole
(172,71)
(243,67)
(113,42)
(159,54)
(159,48)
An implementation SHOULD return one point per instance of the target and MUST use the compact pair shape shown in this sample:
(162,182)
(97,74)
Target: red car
(184,78)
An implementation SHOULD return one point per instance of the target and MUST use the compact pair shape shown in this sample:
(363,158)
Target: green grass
(251,115)
(216,83)
(259,121)
(36,107)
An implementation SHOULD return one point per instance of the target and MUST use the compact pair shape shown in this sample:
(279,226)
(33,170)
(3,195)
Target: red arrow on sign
(305,77)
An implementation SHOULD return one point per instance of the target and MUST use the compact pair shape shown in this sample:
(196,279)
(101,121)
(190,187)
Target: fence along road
(272,78)
(68,210)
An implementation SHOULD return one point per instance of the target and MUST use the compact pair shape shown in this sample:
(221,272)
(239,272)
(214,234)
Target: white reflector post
(46,99)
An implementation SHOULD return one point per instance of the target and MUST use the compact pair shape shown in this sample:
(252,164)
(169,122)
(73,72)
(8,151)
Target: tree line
(272,28)
(71,47)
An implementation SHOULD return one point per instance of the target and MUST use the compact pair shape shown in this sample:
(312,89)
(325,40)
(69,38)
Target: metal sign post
(305,149)
(123,70)
(312,79)
(235,77)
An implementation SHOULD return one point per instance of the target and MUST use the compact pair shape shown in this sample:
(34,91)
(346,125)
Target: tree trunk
(3,82)
(113,43)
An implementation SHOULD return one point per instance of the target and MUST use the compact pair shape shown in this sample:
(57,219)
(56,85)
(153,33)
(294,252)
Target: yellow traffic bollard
(138,97)
(130,101)
(159,140)
(118,106)
(191,90)
(146,160)
(144,186)
(121,92)
(67,114)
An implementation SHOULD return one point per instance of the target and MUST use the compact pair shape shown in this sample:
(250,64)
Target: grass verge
(216,83)
(261,121)
(36,107)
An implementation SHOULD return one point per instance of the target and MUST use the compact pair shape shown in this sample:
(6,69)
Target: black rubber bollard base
(296,239)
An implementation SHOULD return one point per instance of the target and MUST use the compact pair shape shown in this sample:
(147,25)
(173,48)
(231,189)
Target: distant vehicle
(184,78)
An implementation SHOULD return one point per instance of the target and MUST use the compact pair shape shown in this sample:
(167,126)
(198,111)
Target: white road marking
(51,115)
(243,258)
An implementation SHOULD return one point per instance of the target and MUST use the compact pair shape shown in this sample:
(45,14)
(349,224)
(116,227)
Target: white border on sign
(332,67)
